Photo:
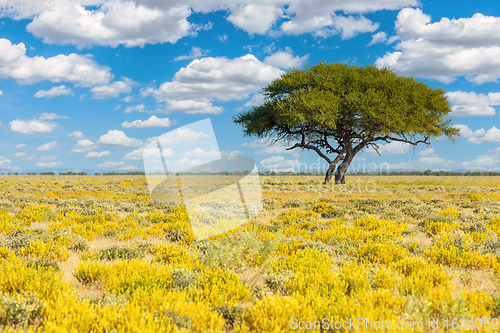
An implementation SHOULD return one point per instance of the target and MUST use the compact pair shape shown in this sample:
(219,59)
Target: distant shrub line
(273,173)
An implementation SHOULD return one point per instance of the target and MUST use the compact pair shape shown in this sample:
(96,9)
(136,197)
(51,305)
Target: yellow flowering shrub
(363,229)
(433,228)
(55,249)
(174,254)
(30,214)
(6,221)
(89,271)
(449,212)
(455,248)
(382,253)
(494,225)
(218,287)
(320,207)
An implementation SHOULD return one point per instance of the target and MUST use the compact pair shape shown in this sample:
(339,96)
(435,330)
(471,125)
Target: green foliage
(341,109)
(338,96)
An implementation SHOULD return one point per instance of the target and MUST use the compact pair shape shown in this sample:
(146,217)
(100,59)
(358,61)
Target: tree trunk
(330,172)
(342,169)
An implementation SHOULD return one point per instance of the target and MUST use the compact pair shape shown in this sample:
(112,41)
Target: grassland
(96,254)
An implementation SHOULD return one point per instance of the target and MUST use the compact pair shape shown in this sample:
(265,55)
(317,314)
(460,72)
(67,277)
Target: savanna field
(97,254)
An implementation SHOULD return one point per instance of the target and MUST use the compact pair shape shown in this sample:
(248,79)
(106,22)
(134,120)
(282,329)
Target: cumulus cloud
(1,93)
(5,162)
(446,49)
(153,121)
(428,159)
(264,147)
(49,116)
(55,91)
(472,104)
(112,90)
(279,163)
(245,16)
(83,146)
(120,165)
(204,80)
(490,136)
(113,23)
(196,52)
(138,22)
(75,135)
(95,154)
(490,161)
(148,153)
(135,108)
(116,138)
(30,127)
(50,164)
(81,70)
(48,146)
(379,37)
(201,153)
(20,146)
(285,59)
(327,24)
(391,148)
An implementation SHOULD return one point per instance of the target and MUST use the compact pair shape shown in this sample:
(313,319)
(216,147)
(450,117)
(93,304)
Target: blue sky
(88,84)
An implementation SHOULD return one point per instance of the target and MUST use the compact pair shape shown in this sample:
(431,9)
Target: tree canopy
(338,109)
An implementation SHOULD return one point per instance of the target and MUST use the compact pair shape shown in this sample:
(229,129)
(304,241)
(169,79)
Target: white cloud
(55,91)
(379,37)
(180,136)
(116,138)
(446,49)
(129,23)
(473,104)
(196,52)
(75,135)
(255,18)
(135,108)
(50,164)
(112,90)
(279,163)
(95,154)
(153,121)
(208,79)
(391,148)
(490,136)
(326,24)
(30,127)
(83,146)
(126,99)
(428,160)
(200,153)
(302,16)
(285,59)
(19,155)
(138,22)
(148,153)
(264,147)
(120,165)
(49,158)
(200,106)
(48,146)
(81,70)
(49,116)
(1,93)
(5,162)
(256,99)
(20,146)
(485,162)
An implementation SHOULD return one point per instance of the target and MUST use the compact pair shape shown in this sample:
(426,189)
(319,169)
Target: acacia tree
(337,110)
